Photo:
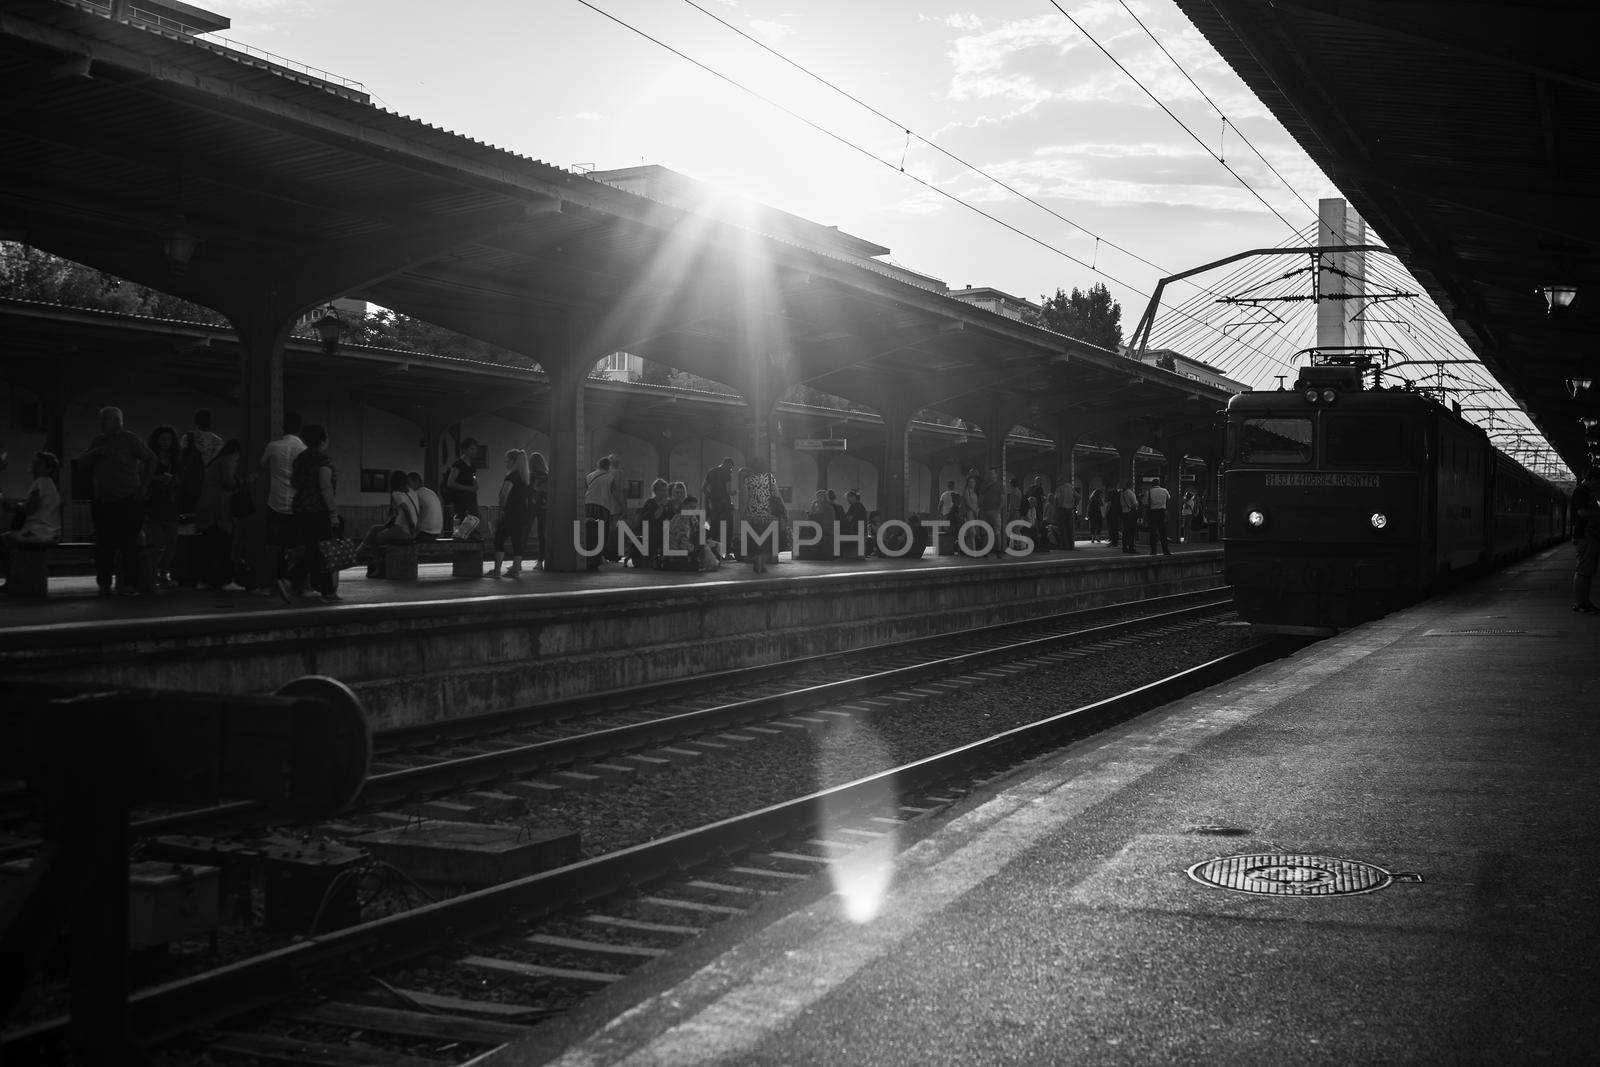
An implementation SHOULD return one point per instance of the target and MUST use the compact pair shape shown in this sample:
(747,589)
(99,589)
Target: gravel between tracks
(684,796)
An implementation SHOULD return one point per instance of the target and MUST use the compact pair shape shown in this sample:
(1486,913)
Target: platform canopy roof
(1467,134)
(238,181)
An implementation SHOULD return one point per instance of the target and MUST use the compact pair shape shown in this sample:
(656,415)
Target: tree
(1088,316)
(27,273)
(390,329)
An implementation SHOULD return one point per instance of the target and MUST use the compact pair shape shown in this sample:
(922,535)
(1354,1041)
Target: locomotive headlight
(1311,396)
(1328,396)
(1379,520)
(1256,518)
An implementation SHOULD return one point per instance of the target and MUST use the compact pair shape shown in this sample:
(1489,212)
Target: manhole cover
(1277,875)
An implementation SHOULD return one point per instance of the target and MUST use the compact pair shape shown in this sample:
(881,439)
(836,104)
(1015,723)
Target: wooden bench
(465,557)
(398,562)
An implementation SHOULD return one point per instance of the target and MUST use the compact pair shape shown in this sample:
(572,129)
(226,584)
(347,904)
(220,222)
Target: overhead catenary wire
(1226,122)
(846,142)
(1206,337)
(1099,238)
(1001,183)
(1171,114)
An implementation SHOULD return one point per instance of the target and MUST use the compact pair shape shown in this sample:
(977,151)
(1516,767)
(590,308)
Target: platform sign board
(820,444)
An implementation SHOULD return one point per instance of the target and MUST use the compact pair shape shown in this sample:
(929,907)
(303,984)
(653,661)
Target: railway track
(615,732)
(500,958)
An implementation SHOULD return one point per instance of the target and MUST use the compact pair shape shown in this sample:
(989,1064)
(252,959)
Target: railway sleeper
(410,1023)
(714,890)
(534,789)
(625,925)
(273,1048)
(601,950)
(692,907)
(461,1006)
(518,969)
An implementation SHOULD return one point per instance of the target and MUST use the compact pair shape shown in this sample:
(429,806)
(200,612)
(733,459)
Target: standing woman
(758,535)
(161,502)
(313,480)
(538,506)
(514,515)
(214,516)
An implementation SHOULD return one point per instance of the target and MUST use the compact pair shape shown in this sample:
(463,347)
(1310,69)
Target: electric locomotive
(1343,499)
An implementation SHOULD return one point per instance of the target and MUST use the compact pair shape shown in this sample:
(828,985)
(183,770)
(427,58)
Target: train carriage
(1343,499)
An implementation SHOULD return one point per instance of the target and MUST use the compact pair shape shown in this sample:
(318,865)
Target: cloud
(1045,58)
(769,31)
(1145,174)
(585,116)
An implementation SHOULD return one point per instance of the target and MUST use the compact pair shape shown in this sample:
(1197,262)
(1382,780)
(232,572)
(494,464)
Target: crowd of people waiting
(146,490)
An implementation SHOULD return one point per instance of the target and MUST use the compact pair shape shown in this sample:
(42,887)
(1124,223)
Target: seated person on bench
(399,529)
(38,516)
(430,512)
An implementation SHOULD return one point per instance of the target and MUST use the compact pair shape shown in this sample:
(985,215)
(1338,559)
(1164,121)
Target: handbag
(338,553)
(466,527)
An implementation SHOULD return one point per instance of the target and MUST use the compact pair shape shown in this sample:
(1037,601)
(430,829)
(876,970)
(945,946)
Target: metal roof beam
(1504,42)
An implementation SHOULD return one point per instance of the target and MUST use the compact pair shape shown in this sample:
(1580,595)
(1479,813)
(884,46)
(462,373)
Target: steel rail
(696,685)
(164,1011)
(468,771)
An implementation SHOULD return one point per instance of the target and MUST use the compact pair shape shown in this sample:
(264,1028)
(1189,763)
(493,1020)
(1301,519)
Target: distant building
(1012,307)
(690,194)
(620,367)
(1193,369)
(351,311)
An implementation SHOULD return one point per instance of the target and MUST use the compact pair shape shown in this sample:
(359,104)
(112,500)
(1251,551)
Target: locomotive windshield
(1277,440)
(1362,440)
(1328,440)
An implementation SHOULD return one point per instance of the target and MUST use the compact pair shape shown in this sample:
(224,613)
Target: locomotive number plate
(1324,480)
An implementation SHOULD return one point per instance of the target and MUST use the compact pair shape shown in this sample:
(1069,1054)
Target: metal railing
(215,43)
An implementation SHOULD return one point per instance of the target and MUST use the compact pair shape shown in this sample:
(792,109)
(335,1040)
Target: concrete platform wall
(426,661)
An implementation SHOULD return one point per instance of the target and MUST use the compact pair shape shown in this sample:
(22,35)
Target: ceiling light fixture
(179,245)
(1558,296)
(329,326)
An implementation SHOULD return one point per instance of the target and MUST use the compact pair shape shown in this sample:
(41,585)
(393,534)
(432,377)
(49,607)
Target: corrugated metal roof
(1468,136)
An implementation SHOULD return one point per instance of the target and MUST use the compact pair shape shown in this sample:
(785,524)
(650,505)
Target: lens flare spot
(862,867)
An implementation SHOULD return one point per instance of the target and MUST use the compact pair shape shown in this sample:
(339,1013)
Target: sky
(1117,175)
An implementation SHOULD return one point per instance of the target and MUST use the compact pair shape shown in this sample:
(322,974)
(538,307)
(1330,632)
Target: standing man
(120,465)
(619,511)
(1586,535)
(277,461)
(461,484)
(717,491)
(597,503)
(1130,519)
(1157,516)
(430,512)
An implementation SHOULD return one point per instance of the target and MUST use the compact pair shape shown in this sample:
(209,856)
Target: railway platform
(440,648)
(1404,819)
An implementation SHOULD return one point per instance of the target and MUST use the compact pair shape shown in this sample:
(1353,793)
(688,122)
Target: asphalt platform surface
(1052,920)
